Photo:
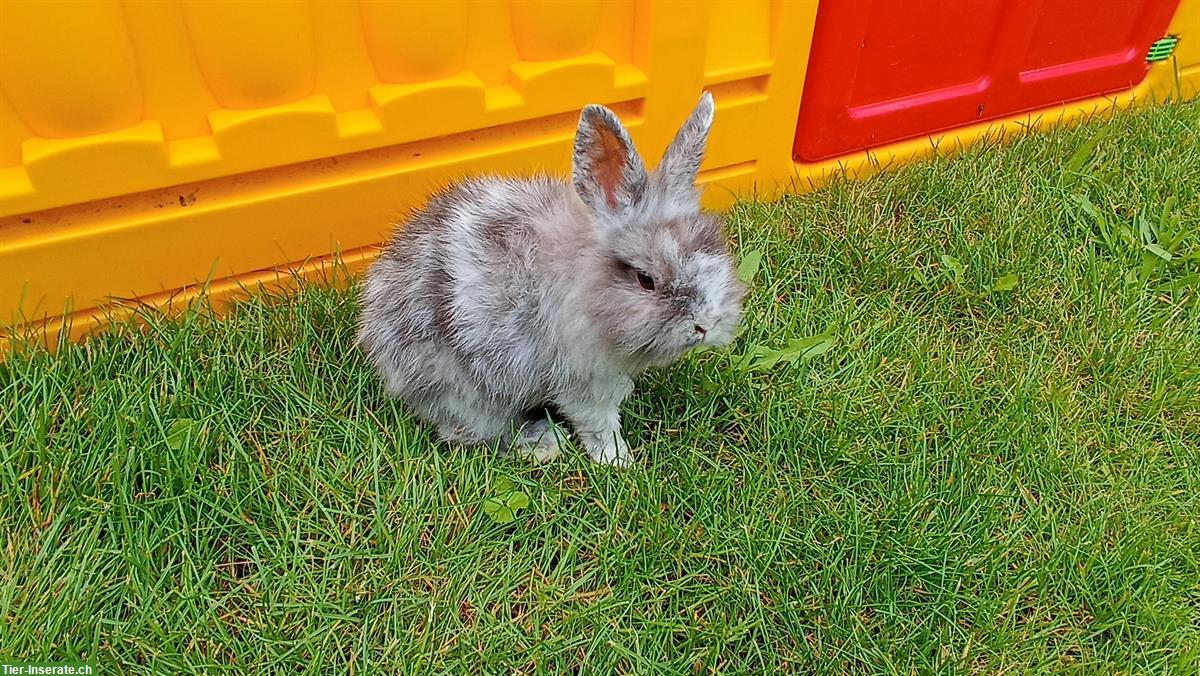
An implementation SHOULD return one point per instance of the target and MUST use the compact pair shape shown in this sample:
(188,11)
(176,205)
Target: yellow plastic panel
(107,161)
(151,149)
(175,93)
(244,85)
(253,54)
(68,67)
(739,36)
(344,68)
(546,30)
(1187,26)
(416,41)
(12,133)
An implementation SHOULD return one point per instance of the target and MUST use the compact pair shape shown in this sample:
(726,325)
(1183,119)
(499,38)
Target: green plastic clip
(1161,49)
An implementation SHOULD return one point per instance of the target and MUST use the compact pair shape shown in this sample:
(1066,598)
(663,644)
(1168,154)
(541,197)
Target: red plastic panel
(887,70)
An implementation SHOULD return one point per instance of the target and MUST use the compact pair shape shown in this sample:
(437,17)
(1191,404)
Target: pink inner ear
(610,165)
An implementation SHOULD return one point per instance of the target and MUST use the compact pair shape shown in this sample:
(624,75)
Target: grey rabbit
(506,296)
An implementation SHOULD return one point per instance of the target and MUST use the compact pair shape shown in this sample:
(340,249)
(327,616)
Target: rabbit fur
(504,296)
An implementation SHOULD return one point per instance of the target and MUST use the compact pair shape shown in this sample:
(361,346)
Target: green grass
(945,478)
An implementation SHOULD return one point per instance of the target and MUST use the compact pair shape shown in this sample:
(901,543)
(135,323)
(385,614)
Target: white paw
(539,440)
(611,450)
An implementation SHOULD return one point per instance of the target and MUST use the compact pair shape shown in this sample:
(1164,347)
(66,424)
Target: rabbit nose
(700,330)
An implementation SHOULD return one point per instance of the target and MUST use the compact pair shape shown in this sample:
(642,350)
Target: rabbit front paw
(610,449)
(539,441)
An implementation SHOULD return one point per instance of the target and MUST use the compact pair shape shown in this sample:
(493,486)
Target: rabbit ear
(676,174)
(608,173)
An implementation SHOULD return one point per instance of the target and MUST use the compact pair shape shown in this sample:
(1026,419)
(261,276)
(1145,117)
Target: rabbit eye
(645,280)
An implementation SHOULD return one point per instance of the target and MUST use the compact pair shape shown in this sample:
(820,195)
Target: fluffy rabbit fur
(505,296)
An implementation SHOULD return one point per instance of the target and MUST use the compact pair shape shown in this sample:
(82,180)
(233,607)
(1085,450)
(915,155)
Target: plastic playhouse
(152,151)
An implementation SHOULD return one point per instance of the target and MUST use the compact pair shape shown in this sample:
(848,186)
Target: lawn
(960,432)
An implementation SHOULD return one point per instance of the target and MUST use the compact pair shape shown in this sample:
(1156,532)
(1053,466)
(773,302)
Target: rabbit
(503,297)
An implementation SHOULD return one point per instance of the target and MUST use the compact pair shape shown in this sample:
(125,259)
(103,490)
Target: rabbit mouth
(721,334)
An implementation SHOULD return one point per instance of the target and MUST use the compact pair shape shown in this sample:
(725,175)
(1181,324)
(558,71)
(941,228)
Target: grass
(961,432)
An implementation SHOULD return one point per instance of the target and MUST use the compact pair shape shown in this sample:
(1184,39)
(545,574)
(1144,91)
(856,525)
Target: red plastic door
(886,70)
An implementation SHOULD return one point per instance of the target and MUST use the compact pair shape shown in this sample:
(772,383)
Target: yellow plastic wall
(149,148)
